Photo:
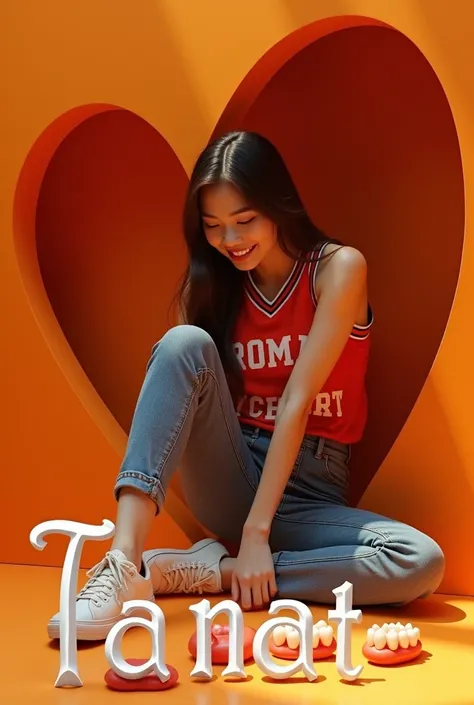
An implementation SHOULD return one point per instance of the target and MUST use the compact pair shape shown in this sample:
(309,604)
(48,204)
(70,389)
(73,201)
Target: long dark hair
(212,288)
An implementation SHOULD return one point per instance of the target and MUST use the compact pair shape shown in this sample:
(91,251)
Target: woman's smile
(239,255)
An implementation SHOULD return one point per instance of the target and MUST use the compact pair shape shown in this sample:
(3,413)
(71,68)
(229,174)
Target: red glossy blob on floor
(220,643)
(150,682)
(387,657)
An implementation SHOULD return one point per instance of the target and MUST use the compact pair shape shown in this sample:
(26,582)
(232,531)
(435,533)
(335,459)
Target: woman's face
(234,228)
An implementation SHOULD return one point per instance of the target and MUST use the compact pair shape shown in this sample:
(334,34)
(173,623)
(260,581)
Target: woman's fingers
(245,593)
(273,585)
(257,597)
(265,592)
(254,592)
(235,588)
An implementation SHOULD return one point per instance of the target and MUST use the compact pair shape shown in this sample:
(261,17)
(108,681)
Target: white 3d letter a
(156,628)
(304,626)
(78,533)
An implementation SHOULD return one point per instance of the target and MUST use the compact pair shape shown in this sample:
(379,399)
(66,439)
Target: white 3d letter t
(344,615)
(78,533)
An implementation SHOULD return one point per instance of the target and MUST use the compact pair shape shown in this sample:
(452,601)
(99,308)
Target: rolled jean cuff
(150,486)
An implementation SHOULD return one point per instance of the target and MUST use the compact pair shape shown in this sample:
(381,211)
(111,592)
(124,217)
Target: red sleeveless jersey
(268,337)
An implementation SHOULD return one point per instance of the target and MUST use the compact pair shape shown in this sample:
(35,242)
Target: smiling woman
(246,204)
(263,441)
(235,228)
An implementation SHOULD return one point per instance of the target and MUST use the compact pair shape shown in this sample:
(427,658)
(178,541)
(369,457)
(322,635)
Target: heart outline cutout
(47,324)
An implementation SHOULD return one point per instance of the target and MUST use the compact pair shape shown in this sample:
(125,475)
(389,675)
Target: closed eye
(246,222)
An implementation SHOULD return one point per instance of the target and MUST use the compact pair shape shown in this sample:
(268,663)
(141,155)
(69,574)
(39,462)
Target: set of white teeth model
(321,633)
(392,636)
(388,635)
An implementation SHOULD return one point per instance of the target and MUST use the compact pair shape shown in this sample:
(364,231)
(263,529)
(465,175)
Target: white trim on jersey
(254,297)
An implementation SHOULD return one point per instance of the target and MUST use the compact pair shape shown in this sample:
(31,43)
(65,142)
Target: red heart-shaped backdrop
(377,162)
(368,134)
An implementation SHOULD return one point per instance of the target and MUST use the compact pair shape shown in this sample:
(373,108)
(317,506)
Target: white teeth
(241,253)
(315,636)
(413,636)
(393,635)
(293,639)
(380,639)
(392,639)
(279,636)
(325,634)
(389,635)
(403,639)
(321,633)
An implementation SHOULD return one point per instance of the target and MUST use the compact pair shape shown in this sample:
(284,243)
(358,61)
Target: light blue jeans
(185,419)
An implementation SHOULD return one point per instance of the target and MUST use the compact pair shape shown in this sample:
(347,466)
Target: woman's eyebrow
(244,209)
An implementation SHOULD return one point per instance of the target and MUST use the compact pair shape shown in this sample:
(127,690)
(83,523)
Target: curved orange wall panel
(110,103)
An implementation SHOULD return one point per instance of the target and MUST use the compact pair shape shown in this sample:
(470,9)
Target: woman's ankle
(131,553)
(226,567)
(135,514)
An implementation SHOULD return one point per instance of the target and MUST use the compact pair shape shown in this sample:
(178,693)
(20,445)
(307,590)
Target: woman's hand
(253,579)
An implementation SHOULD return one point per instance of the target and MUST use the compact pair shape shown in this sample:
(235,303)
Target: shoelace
(107,576)
(188,577)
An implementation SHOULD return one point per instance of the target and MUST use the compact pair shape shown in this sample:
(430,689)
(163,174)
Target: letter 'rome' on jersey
(268,337)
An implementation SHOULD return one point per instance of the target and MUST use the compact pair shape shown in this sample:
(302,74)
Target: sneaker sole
(96,630)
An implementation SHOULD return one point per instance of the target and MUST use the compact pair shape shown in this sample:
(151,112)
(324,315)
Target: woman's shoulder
(340,268)
(337,257)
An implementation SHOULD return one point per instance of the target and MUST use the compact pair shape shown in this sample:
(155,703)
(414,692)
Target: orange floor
(29,663)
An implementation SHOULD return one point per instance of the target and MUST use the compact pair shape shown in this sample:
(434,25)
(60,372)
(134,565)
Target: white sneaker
(195,569)
(113,581)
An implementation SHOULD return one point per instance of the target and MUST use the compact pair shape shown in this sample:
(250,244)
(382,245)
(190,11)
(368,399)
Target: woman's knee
(426,567)
(432,564)
(183,339)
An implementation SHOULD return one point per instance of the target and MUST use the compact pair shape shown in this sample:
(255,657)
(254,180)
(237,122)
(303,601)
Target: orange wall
(110,104)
